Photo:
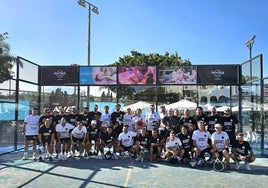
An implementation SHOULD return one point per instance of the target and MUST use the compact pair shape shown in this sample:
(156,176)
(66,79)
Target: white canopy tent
(182,105)
(140,104)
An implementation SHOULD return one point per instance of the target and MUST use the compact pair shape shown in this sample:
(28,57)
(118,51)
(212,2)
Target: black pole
(16,106)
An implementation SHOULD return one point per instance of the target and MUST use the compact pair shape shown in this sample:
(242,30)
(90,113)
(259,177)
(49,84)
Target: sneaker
(101,156)
(65,157)
(24,157)
(237,165)
(193,163)
(179,159)
(40,159)
(86,157)
(115,156)
(122,155)
(228,166)
(247,166)
(59,156)
(200,162)
(138,158)
(34,157)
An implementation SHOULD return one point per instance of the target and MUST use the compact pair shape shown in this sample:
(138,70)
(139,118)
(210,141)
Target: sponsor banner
(59,75)
(7,110)
(137,75)
(98,75)
(177,75)
(218,74)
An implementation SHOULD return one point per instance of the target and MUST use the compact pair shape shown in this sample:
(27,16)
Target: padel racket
(218,165)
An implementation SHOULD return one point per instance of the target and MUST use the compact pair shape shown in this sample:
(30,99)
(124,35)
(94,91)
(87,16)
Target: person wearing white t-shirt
(128,120)
(201,142)
(173,147)
(220,143)
(78,138)
(125,141)
(30,131)
(139,121)
(63,131)
(105,118)
(152,120)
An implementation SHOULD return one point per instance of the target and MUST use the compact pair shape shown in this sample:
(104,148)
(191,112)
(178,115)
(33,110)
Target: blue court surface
(15,172)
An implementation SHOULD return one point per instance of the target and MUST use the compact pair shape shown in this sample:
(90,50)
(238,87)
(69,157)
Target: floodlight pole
(249,44)
(94,9)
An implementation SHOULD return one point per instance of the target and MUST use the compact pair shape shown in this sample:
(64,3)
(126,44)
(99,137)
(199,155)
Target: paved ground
(15,172)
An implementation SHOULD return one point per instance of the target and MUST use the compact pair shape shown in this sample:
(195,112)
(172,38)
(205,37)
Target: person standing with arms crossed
(30,131)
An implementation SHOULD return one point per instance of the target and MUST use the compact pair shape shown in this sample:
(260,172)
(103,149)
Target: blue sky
(54,32)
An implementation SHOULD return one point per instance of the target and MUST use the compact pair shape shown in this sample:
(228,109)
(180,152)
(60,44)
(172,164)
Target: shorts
(202,153)
(127,148)
(155,149)
(221,154)
(78,139)
(31,137)
(65,140)
(186,152)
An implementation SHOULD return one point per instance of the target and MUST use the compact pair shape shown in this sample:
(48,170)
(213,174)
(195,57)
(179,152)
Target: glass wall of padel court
(240,87)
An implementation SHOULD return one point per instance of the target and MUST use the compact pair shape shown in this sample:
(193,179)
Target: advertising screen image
(98,76)
(177,75)
(137,75)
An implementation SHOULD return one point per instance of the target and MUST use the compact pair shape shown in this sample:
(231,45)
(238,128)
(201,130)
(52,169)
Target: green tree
(139,59)
(5,58)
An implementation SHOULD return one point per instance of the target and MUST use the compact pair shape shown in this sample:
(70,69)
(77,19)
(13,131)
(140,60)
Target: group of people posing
(164,135)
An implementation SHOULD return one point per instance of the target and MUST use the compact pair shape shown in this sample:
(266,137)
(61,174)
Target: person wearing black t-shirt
(46,137)
(84,117)
(93,135)
(200,116)
(73,116)
(170,122)
(230,125)
(142,144)
(108,140)
(47,114)
(242,151)
(117,119)
(187,144)
(156,144)
(57,118)
(188,121)
(213,118)
(95,114)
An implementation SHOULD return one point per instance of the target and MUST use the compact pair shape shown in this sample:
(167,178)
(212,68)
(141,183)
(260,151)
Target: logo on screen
(217,73)
(60,74)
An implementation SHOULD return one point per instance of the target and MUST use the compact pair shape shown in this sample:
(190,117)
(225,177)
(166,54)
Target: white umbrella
(182,104)
(222,108)
(140,104)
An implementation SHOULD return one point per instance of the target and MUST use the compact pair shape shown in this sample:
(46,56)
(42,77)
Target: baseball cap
(93,122)
(217,125)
